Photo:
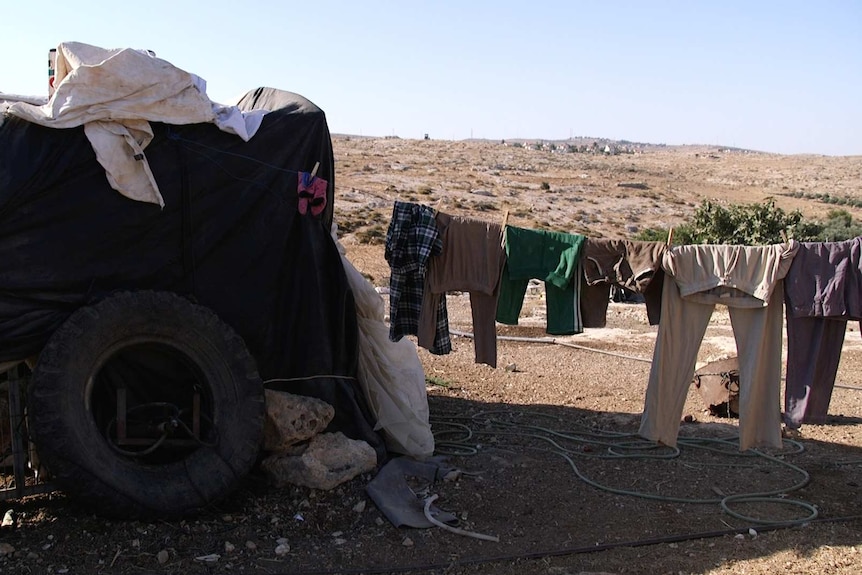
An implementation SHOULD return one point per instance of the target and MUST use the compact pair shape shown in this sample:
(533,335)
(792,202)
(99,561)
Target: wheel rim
(151,402)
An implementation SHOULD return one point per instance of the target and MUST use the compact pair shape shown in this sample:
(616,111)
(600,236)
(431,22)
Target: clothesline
(555,341)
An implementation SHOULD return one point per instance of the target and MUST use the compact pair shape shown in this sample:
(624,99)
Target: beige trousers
(758,334)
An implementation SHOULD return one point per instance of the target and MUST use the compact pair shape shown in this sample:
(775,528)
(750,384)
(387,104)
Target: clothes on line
(633,265)
(748,280)
(472,260)
(553,257)
(412,238)
(823,291)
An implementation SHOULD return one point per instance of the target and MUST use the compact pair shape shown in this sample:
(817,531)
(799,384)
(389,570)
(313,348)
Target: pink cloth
(312,192)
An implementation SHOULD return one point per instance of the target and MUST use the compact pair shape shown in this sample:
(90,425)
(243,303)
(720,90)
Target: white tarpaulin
(390,372)
(115,94)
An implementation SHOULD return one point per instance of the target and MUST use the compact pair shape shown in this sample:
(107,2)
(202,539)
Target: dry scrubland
(597,195)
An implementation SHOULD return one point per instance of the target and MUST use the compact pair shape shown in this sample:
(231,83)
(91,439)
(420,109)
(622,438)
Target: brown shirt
(633,265)
(472,260)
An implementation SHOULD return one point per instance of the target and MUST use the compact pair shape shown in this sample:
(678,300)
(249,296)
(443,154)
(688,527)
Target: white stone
(330,460)
(292,419)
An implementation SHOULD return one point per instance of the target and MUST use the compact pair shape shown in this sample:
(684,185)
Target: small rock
(407,542)
(8,519)
(6,549)
(511,367)
(229,547)
(739,536)
(251,545)
(282,549)
(359,507)
(453,475)
(162,557)
(378,521)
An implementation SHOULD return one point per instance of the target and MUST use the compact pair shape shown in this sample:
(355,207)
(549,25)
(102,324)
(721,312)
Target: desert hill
(612,189)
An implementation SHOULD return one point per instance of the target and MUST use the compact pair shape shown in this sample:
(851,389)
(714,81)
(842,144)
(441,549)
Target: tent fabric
(115,94)
(390,372)
(229,237)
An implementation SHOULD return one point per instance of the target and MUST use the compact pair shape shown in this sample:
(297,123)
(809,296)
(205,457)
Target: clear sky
(779,76)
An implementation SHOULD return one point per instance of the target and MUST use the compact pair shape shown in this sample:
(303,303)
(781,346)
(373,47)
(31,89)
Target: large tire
(163,350)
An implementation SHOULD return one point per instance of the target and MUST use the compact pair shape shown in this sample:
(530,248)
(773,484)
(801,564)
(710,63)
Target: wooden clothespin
(503,233)
(437,207)
(314,169)
(670,237)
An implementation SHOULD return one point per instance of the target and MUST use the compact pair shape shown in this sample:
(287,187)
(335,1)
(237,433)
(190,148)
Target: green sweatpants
(553,257)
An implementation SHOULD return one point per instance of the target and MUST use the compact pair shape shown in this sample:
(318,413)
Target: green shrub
(839,226)
(373,235)
(755,225)
(651,235)
(745,224)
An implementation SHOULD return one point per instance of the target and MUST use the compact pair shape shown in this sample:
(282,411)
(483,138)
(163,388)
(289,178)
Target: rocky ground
(542,446)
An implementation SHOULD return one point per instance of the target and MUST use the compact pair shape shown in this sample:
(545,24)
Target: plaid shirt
(412,238)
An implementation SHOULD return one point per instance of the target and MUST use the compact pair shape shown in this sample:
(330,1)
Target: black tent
(230,237)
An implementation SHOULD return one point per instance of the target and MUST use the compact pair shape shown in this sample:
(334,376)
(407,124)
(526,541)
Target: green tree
(744,224)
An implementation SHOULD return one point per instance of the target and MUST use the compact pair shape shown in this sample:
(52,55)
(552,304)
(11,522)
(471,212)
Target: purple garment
(823,290)
(825,280)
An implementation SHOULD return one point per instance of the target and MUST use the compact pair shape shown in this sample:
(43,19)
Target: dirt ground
(544,445)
